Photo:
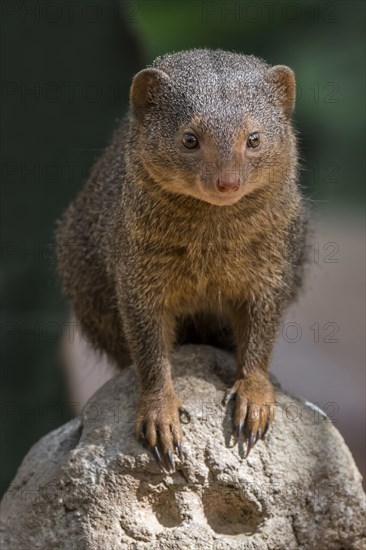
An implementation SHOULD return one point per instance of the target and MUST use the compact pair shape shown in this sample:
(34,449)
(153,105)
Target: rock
(90,485)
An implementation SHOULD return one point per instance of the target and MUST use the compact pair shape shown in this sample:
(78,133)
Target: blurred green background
(65,74)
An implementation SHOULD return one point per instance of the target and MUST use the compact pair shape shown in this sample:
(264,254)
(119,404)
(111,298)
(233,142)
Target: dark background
(66,68)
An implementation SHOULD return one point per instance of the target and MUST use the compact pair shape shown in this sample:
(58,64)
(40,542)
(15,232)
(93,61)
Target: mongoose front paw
(254,407)
(158,426)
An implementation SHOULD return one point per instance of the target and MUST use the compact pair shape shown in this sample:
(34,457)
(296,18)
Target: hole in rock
(229,513)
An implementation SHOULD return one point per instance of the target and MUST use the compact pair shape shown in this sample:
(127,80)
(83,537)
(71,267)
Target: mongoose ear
(145,89)
(284,80)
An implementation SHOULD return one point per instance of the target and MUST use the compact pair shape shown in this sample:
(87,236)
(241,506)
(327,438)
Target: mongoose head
(214,125)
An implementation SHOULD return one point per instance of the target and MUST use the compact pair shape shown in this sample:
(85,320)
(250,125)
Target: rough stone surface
(90,485)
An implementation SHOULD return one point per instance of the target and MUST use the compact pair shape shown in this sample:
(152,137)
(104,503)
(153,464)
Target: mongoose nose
(228,184)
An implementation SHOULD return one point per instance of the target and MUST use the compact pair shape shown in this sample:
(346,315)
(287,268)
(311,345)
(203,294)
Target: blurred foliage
(64,85)
(52,139)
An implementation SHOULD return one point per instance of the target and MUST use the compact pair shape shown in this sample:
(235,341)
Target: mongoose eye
(190,141)
(253,140)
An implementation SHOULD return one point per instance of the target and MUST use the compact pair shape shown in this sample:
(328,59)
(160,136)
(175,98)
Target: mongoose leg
(150,334)
(254,326)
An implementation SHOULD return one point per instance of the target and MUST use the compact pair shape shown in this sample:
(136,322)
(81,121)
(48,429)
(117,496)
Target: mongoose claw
(227,397)
(253,409)
(266,428)
(157,455)
(239,429)
(159,460)
(169,455)
(250,442)
(180,451)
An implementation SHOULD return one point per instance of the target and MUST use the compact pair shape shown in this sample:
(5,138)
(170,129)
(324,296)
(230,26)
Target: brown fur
(150,252)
